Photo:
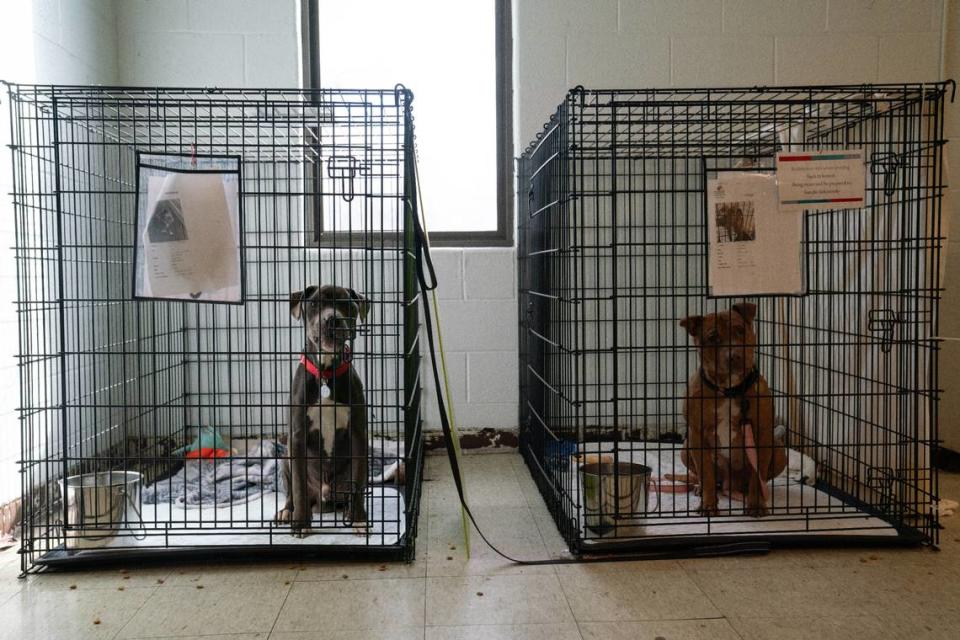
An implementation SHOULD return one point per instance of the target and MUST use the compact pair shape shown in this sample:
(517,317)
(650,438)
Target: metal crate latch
(343,169)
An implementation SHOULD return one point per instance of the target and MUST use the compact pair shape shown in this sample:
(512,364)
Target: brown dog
(729,413)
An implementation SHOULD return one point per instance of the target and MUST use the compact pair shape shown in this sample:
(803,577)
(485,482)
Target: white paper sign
(832,179)
(188,241)
(754,247)
(189,238)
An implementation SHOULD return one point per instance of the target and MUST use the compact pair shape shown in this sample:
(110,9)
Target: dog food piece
(199,586)
(96,621)
(120,588)
(159,580)
(480,593)
(72,587)
(449,557)
(344,576)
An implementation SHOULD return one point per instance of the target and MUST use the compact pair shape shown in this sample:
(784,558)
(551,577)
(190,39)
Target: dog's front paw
(357,516)
(756,510)
(299,526)
(708,510)
(283,516)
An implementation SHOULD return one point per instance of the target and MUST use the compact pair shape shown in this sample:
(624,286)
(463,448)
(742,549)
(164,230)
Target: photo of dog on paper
(190,240)
(753,246)
(735,221)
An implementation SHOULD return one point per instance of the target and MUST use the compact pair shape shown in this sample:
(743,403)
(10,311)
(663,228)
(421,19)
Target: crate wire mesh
(612,255)
(109,383)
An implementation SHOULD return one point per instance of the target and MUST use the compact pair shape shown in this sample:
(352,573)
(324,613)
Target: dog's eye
(713,338)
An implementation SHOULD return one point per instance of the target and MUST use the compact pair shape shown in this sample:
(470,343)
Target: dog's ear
(747,310)
(297,298)
(693,325)
(363,305)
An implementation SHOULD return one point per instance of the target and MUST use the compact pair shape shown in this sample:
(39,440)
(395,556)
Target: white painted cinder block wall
(255,43)
(559,44)
(43,41)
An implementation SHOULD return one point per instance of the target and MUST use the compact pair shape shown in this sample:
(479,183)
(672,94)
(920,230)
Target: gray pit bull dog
(327,463)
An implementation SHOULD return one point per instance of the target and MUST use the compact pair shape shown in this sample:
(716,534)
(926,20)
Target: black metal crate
(114,383)
(612,256)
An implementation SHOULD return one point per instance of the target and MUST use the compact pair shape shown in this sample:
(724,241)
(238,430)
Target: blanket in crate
(225,481)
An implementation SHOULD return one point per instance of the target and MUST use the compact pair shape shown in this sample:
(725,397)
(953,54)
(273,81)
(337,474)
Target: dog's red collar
(326,374)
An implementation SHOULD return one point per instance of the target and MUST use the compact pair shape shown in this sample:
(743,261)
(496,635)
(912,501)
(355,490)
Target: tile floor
(824,594)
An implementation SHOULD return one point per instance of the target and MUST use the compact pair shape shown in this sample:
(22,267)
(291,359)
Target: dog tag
(324,390)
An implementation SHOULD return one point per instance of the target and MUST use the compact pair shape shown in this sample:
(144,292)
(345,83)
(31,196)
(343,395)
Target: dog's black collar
(732,392)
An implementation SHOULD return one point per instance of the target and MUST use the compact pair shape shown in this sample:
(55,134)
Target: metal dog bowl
(97,506)
(613,491)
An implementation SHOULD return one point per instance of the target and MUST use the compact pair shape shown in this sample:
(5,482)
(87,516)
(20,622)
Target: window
(456,58)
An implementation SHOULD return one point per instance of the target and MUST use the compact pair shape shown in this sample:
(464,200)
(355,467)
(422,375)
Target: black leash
(424,264)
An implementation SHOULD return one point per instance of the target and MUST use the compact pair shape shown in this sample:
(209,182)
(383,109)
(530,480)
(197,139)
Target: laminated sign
(753,245)
(188,243)
(821,179)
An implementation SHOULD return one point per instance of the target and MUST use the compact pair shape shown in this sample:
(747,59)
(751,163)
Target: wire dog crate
(153,421)
(613,243)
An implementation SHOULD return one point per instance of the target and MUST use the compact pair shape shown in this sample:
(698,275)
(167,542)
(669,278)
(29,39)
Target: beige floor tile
(231,608)
(708,629)
(313,571)
(851,627)
(326,633)
(752,593)
(493,492)
(933,625)
(502,599)
(112,578)
(218,636)
(233,574)
(10,581)
(633,591)
(498,521)
(353,604)
(505,632)
(93,613)
(442,560)
(890,557)
(779,559)
(912,590)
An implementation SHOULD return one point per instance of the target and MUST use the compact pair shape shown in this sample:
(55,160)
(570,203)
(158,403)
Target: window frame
(503,235)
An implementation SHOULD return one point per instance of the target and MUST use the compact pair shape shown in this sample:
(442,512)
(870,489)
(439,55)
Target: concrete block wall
(42,41)
(226,43)
(74,42)
(478,310)
(255,43)
(950,307)
(608,44)
(559,44)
